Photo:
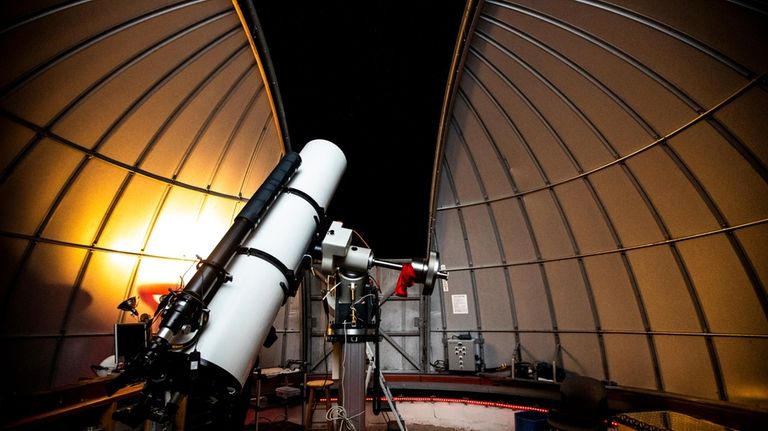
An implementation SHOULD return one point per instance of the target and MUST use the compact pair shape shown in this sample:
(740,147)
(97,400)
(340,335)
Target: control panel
(462,354)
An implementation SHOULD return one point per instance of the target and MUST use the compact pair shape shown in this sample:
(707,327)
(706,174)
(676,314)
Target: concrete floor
(290,418)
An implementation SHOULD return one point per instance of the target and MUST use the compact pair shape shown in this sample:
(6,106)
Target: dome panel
(630,362)
(437,344)
(567,125)
(445,195)
(506,161)
(13,138)
(728,28)
(696,74)
(594,104)
(406,356)
(292,317)
(626,208)
(582,354)
(493,297)
(462,170)
(391,359)
(411,347)
(570,295)
(753,240)
(63,79)
(632,85)
(42,287)
(78,213)
(520,124)
(744,371)
(165,92)
(410,317)
(666,297)
(120,93)
(552,158)
(744,118)
(212,220)
(450,229)
(516,238)
(727,296)
(176,138)
(482,235)
(550,234)
(585,216)
(43,38)
(34,184)
(729,180)
(177,218)
(241,145)
(288,344)
(402,315)
(197,168)
(133,213)
(532,298)
(677,369)
(614,294)
(674,197)
(318,345)
(486,157)
(104,286)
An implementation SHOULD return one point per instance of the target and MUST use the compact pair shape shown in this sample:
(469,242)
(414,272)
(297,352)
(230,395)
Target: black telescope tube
(211,269)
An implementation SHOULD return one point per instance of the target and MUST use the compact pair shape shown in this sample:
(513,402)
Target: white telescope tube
(242,311)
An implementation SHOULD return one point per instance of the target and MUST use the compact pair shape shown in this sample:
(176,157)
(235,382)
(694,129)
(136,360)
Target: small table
(268,374)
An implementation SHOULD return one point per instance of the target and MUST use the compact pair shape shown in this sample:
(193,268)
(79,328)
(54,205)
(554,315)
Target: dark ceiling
(370,77)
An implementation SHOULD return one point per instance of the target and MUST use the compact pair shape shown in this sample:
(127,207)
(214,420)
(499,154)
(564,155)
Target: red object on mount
(150,293)
(406,279)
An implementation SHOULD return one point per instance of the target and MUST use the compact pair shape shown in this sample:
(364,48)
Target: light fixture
(129,305)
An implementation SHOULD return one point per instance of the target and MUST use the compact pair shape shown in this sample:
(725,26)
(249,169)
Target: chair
(324,386)
(583,405)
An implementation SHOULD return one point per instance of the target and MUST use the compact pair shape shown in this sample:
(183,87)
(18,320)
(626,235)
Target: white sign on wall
(460,304)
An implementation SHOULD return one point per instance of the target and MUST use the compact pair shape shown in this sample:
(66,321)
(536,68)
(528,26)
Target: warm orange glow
(162,271)
(210,226)
(120,261)
(174,235)
(188,227)
(183,230)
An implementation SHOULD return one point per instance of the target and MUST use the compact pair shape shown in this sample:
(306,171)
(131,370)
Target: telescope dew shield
(242,311)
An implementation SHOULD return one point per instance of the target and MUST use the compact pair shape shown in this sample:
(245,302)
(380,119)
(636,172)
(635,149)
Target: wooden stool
(313,386)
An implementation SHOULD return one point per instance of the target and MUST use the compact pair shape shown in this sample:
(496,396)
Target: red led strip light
(456,400)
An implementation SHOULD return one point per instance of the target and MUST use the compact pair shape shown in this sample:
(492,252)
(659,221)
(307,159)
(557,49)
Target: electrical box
(463,354)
